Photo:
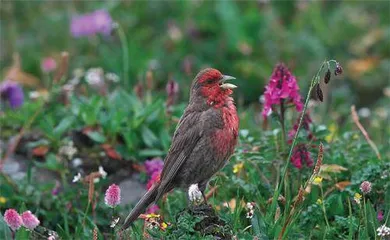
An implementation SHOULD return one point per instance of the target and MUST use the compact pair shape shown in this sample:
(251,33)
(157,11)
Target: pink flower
(154,178)
(89,24)
(13,219)
(30,221)
(153,209)
(48,64)
(113,195)
(365,187)
(282,87)
(154,165)
(380,216)
(305,125)
(301,154)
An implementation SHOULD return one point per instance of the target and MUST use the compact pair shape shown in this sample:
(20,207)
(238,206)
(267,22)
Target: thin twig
(355,119)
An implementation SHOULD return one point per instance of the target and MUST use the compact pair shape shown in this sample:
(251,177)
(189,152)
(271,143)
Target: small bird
(204,140)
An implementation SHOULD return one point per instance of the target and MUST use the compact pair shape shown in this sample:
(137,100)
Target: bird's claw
(195,195)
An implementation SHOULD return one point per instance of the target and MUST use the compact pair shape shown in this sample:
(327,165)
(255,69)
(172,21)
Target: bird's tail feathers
(141,206)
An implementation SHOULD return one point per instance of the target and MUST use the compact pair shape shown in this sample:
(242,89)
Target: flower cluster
(250,207)
(15,221)
(113,195)
(282,88)
(306,121)
(12,93)
(48,64)
(357,197)
(383,231)
(365,187)
(68,150)
(153,169)
(301,154)
(90,24)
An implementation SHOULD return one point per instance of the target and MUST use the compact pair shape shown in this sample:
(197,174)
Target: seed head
(320,95)
(338,70)
(327,76)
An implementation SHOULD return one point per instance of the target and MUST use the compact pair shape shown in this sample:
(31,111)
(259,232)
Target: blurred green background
(245,39)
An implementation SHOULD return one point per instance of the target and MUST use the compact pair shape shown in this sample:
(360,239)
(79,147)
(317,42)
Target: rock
(131,190)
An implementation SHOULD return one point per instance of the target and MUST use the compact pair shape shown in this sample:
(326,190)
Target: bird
(203,142)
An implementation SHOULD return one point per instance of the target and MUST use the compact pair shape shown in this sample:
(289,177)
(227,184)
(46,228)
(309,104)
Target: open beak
(227,85)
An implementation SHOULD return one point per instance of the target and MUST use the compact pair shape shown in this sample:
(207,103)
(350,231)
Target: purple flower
(90,24)
(30,221)
(13,219)
(153,209)
(113,195)
(153,179)
(154,165)
(380,216)
(48,64)
(12,92)
(301,154)
(282,87)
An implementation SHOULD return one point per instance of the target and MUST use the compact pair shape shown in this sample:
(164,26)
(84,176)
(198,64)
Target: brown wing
(193,126)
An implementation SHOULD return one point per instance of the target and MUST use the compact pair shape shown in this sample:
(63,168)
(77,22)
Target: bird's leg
(195,195)
(202,188)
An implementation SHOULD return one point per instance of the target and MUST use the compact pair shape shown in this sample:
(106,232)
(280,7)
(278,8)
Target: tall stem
(282,112)
(125,54)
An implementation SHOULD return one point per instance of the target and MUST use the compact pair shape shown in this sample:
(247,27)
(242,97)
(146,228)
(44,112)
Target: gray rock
(131,191)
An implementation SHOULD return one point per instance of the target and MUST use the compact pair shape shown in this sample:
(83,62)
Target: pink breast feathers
(226,138)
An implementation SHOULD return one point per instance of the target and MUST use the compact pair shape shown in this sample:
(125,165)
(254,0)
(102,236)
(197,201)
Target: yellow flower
(164,225)
(3,200)
(332,129)
(152,215)
(238,167)
(319,201)
(317,180)
(357,198)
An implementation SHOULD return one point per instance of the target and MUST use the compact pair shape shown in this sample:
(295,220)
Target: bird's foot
(195,195)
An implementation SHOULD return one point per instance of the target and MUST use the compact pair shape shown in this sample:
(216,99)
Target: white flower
(77,162)
(114,222)
(250,206)
(77,177)
(102,172)
(364,112)
(383,231)
(34,95)
(94,76)
(112,77)
(68,150)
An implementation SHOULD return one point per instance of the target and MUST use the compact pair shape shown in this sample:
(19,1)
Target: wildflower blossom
(357,197)
(380,216)
(238,167)
(112,77)
(154,165)
(250,207)
(301,154)
(319,201)
(365,187)
(317,180)
(95,77)
(102,172)
(13,219)
(114,222)
(68,150)
(113,195)
(306,122)
(153,179)
(2,200)
(77,177)
(383,231)
(90,24)
(11,92)
(153,209)
(48,64)
(282,88)
(30,221)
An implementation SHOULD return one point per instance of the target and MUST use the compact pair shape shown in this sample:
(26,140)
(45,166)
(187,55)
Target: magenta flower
(48,64)
(13,219)
(282,87)
(305,125)
(113,195)
(12,92)
(300,155)
(380,216)
(154,165)
(172,88)
(30,221)
(90,24)
(153,209)
(153,179)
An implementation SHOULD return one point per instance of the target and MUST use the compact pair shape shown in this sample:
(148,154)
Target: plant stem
(125,54)
(282,112)
(365,216)
(323,208)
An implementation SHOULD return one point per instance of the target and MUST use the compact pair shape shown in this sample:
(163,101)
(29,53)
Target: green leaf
(151,153)
(63,126)
(149,137)
(96,136)
(5,231)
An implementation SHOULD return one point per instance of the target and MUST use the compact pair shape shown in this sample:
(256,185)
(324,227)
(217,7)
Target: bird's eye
(210,81)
